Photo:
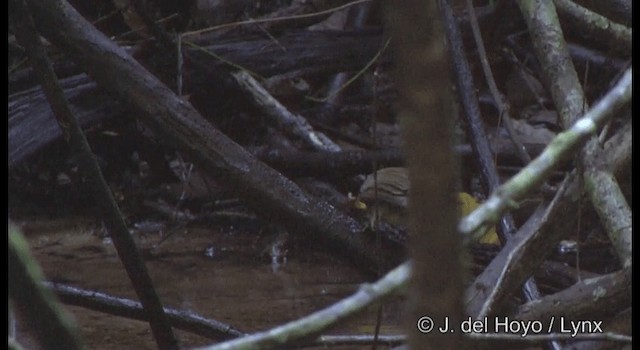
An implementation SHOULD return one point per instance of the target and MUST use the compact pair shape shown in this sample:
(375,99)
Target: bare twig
(552,336)
(469,102)
(475,128)
(503,108)
(535,239)
(288,122)
(354,77)
(329,341)
(317,322)
(562,146)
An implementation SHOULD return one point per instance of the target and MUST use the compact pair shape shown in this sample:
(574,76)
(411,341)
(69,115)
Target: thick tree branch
(269,193)
(594,25)
(569,99)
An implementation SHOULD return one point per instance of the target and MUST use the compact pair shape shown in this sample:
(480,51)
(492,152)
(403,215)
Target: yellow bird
(392,194)
(466,204)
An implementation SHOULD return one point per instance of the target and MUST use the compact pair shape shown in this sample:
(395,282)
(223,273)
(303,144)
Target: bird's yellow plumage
(392,199)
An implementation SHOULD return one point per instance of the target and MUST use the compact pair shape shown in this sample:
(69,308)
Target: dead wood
(476,131)
(584,300)
(31,124)
(327,51)
(184,320)
(275,197)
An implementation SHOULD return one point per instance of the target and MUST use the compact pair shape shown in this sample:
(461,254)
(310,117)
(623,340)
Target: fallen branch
(595,26)
(287,122)
(184,320)
(273,196)
(584,300)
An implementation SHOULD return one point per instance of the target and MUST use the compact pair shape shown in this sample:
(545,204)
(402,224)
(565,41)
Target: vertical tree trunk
(424,107)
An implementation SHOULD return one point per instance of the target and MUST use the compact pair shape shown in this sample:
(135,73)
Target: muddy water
(217,273)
